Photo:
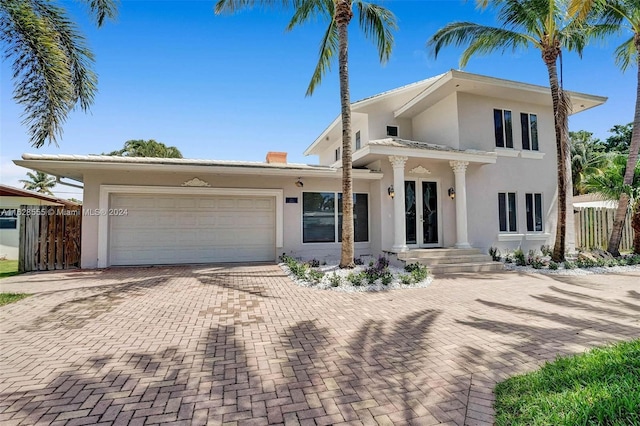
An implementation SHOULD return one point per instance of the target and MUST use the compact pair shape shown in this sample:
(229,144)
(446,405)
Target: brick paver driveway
(244,345)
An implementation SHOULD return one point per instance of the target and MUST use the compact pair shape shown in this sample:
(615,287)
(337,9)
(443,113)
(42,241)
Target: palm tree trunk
(343,16)
(559,117)
(623,203)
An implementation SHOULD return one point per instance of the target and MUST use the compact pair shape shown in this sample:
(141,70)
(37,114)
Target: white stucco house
(11,199)
(454,161)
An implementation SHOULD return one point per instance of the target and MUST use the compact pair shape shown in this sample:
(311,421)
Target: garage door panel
(165,229)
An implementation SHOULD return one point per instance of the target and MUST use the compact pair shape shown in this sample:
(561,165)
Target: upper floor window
(507,212)
(337,153)
(529,123)
(534,212)
(503,127)
(358,140)
(392,131)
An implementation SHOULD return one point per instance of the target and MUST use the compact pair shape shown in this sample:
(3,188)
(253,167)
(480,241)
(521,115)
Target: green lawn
(8,268)
(6,298)
(600,387)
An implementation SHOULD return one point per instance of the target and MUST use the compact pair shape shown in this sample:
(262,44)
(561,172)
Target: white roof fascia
(435,86)
(472,157)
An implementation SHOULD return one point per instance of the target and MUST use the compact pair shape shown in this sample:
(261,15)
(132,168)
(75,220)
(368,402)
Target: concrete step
(442,260)
(437,253)
(466,267)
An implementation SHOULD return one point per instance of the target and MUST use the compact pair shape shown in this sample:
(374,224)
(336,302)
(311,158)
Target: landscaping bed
(369,275)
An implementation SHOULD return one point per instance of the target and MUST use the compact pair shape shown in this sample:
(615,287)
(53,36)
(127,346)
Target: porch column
(399,221)
(459,172)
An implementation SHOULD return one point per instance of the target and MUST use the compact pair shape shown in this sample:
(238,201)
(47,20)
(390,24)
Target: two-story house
(457,160)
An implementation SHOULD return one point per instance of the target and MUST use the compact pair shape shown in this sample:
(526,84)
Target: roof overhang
(480,85)
(76,167)
(10,191)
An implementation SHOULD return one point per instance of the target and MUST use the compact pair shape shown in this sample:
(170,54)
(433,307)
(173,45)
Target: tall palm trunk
(343,16)
(623,203)
(550,56)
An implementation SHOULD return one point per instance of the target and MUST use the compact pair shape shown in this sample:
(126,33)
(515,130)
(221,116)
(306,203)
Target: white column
(459,172)
(399,221)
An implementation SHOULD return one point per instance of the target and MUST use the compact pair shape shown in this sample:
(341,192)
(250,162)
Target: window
(322,222)
(529,123)
(392,130)
(534,212)
(503,128)
(507,211)
(8,218)
(338,156)
(358,140)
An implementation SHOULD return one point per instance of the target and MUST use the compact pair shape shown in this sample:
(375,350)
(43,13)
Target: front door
(422,213)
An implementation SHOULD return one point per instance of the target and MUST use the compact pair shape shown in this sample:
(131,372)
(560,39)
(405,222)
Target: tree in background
(52,66)
(610,184)
(546,26)
(377,24)
(587,158)
(620,140)
(146,148)
(39,182)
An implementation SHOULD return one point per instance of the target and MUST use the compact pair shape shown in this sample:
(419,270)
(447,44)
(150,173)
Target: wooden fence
(593,228)
(49,238)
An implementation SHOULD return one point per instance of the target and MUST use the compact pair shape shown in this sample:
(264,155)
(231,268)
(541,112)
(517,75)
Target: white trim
(510,237)
(537,237)
(484,158)
(107,190)
(506,152)
(536,155)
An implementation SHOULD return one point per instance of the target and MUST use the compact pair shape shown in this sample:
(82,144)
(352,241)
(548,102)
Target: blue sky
(233,86)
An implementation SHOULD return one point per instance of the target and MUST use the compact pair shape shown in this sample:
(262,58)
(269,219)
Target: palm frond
(328,50)
(378,24)
(626,54)
(233,6)
(308,9)
(103,9)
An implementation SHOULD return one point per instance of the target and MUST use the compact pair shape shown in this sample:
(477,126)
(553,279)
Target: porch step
(447,261)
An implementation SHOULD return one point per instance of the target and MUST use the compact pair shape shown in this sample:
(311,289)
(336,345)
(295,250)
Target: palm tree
(39,182)
(52,66)
(611,184)
(147,148)
(587,159)
(624,14)
(377,23)
(544,25)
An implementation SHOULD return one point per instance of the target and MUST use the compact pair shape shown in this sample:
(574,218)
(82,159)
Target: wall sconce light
(299,183)
(452,193)
(391,192)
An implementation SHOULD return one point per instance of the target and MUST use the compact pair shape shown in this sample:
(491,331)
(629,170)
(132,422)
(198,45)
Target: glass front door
(421,213)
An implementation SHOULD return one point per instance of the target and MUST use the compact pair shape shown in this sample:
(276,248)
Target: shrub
(335,280)
(634,259)
(519,259)
(315,276)
(377,269)
(387,277)
(553,265)
(546,250)
(355,279)
(537,262)
(585,263)
(569,265)
(418,272)
(495,254)
(508,258)
(406,279)
(358,261)
(314,263)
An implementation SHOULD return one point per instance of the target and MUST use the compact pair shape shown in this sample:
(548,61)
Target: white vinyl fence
(593,228)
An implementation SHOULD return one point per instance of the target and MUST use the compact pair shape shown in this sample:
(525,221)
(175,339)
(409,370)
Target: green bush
(335,280)
(519,258)
(495,254)
(553,265)
(546,250)
(406,279)
(387,277)
(355,279)
(315,276)
(569,265)
(418,272)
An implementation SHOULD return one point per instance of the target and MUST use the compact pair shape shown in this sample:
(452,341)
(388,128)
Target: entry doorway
(422,213)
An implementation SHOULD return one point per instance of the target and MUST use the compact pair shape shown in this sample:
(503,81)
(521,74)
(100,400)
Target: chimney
(276,157)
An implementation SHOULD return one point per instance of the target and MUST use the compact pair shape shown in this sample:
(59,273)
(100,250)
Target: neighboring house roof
(593,200)
(75,166)
(10,191)
(430,91)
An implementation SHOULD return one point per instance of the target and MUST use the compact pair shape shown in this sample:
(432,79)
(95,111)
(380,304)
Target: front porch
(448,261)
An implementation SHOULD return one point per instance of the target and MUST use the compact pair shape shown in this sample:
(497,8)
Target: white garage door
(166,229)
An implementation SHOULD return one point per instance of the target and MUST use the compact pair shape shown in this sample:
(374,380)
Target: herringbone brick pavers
(243,345)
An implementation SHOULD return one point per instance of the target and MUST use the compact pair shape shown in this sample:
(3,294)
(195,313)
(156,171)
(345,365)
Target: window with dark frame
(392,131)
(8,218)
(507,216)
(529,125)
(503,128)
(533,204)
(337,154)
(358,140)
(322,222)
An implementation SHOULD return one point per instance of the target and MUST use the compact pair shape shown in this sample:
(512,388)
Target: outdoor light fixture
(391,192)
(299,183)
(452,193)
